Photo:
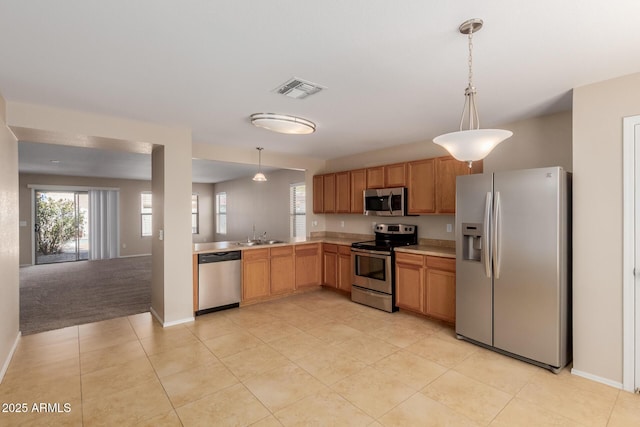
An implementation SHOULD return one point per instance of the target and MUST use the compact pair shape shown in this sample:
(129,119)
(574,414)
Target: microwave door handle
(389,202)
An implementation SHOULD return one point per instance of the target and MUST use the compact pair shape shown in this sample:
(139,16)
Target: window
(221,213)
(145,213)
(297,210)
(195,217)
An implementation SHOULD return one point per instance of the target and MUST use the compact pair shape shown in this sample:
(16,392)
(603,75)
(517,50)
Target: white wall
(598,110)
(206,206)
(264,205)
(9,243)
(538,142)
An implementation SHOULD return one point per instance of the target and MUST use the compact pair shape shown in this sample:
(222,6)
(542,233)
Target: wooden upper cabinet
(447,169)
(343,192)
(375,177)
(329,193)
(395,175)
(318,194)
(358,180)
(421,184)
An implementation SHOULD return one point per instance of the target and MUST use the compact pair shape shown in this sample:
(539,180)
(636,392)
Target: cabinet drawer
(307,250)
(254,254)
(438,263)
(282,251)
(413,259)
(330,247)
(344,250)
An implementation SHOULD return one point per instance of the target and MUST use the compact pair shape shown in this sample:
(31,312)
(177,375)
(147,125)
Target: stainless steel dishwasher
(219,278)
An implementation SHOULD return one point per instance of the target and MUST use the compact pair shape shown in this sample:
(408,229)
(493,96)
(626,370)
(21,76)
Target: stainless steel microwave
(385,201)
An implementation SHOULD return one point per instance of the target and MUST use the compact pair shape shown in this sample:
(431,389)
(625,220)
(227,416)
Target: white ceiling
(395,72)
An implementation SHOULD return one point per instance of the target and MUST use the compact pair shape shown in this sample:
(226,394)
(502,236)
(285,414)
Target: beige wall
(9,243)
(538,142)
(206,205)
(264,205)
(131,241)
(68,127)
(598,110)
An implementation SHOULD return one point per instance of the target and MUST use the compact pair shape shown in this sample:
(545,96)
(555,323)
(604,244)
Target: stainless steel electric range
(374,265)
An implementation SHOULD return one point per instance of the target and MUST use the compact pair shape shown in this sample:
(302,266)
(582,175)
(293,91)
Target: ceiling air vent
(298,88)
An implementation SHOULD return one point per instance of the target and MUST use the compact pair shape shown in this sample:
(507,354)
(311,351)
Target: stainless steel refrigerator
(513,267)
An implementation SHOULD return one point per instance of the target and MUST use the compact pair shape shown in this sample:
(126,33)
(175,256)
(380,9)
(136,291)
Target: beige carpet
(54,296)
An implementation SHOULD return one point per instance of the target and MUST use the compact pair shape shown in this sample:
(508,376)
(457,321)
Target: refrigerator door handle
(496,236)
(485,245)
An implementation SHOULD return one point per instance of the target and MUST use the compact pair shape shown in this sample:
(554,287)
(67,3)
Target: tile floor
(309,359)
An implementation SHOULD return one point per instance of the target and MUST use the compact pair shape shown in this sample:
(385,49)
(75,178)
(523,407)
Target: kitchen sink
(259,242)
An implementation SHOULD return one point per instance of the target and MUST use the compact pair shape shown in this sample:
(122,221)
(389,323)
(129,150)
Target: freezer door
(530,289)
(473,262)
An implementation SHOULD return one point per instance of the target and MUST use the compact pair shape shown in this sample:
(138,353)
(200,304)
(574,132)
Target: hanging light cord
(469,110)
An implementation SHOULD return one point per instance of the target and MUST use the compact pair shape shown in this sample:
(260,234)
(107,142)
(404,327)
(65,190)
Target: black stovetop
(389,236)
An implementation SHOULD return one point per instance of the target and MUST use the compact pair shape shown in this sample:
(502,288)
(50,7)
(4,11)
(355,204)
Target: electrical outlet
(314,223)
(342,224)
(449,228)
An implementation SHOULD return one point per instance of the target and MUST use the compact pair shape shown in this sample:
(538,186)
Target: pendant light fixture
(471,143)
(259,176)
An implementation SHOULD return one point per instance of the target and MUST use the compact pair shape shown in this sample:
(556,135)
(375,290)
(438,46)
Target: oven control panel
(395,228)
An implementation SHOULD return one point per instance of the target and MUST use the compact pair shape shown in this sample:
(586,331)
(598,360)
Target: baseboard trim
(133,256)
(597,379)
(167,324)
(178,322)
(5,365)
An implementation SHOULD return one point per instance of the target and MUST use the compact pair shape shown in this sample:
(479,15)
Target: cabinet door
(421,186)
(345,268)
(329,193)
(440,296)
(358,185)
(330,265)
(343,192)
(447,169)
(410,281)
(318,194)
(255,274)
(282,264)
(308,265)
(395,175)
(375,177)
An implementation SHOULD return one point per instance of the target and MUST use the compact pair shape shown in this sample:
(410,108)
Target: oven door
(372,270)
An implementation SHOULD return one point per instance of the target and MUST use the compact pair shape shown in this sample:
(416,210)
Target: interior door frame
(631,254)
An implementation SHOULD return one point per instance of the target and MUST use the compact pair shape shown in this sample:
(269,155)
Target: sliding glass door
(61,226)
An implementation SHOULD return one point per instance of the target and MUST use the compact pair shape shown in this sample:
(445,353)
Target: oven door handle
(373,254)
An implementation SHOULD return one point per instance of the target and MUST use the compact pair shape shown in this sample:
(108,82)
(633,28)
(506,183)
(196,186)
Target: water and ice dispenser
(472,234)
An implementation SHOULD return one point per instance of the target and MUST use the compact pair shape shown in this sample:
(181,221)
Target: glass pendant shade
(259,177)
(472,145)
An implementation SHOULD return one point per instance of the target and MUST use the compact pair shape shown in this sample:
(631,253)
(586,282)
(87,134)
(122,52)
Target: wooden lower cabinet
(255,274)
(330,264)
(345,268)
(282,264)
(337,267)
(410,281)
(427,285)
(308,265)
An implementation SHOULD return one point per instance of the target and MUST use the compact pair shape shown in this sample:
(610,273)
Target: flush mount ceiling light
(471,143)
(283,123)
(259,176)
